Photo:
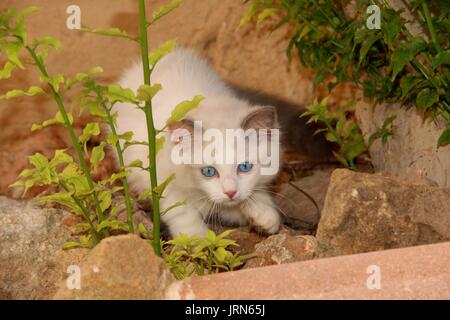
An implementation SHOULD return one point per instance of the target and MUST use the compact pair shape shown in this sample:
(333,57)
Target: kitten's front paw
(269,221)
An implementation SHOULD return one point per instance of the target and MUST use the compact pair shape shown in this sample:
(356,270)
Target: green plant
(194,255)
(340,129)
(78,191)
(384,132)
(388,63)
(144,94)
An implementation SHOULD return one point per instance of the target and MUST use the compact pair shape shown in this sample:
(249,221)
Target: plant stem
(94,232)
(126,188)
(150,129)
(426,13)
(432,31)
(73,137)
(86,216)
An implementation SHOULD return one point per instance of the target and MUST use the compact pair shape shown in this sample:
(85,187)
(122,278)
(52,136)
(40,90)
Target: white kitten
(234,193)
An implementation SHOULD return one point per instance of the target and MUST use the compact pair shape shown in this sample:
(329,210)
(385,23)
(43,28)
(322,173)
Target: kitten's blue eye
(245,167)
(209,171)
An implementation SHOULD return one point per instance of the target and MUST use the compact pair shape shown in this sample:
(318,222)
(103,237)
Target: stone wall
(412,150)
(248,58)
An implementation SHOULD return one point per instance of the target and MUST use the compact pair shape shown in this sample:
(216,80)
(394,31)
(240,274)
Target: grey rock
(32,261)
(412,149)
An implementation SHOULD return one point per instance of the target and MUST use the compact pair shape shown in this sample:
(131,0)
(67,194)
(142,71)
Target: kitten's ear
(261,118)
(183,124)
(181,129)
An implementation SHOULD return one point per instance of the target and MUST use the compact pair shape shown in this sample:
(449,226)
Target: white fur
(182,76)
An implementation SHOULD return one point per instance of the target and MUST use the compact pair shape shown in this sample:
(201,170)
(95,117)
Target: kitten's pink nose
(230,194)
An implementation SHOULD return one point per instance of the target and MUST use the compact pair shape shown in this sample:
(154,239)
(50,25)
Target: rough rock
(369,212)
(412,149)
(299,211)
(248,237)
(246,240)
(121,267)
(32,261)
(282,248)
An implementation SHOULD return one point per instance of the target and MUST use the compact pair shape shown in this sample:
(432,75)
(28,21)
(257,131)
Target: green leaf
(127,136)
(86,241)
(441,58)
(143,230)
(6,16)
(80,227)
(164,10)
(32,91)
(227,242)
(61,157)
(5,73)
(81,76)
(93,107)
(211,236)
(266,13)
(48,41)
(330,137)
(113,225)
(173,206)
(12,51)
(225,233)
(116,93)
(54,81)
(26,12)
(180,111)
(159,190)
(404,54)
(407,83)
(58,119)
(367,44)
(71,244)
(112,139)
(98,154)
(90,130)
(76,183)
(160,52)
(113,178)
(146,92)
(64,199)
(249,14)
(220,254)
(392,27)
(160,143)
(19,29)
(38,160)
(444,139)
(426,98)
(105,198)
(135,164)
(111,32)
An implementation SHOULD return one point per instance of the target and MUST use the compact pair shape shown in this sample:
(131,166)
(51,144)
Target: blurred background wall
(247,57)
